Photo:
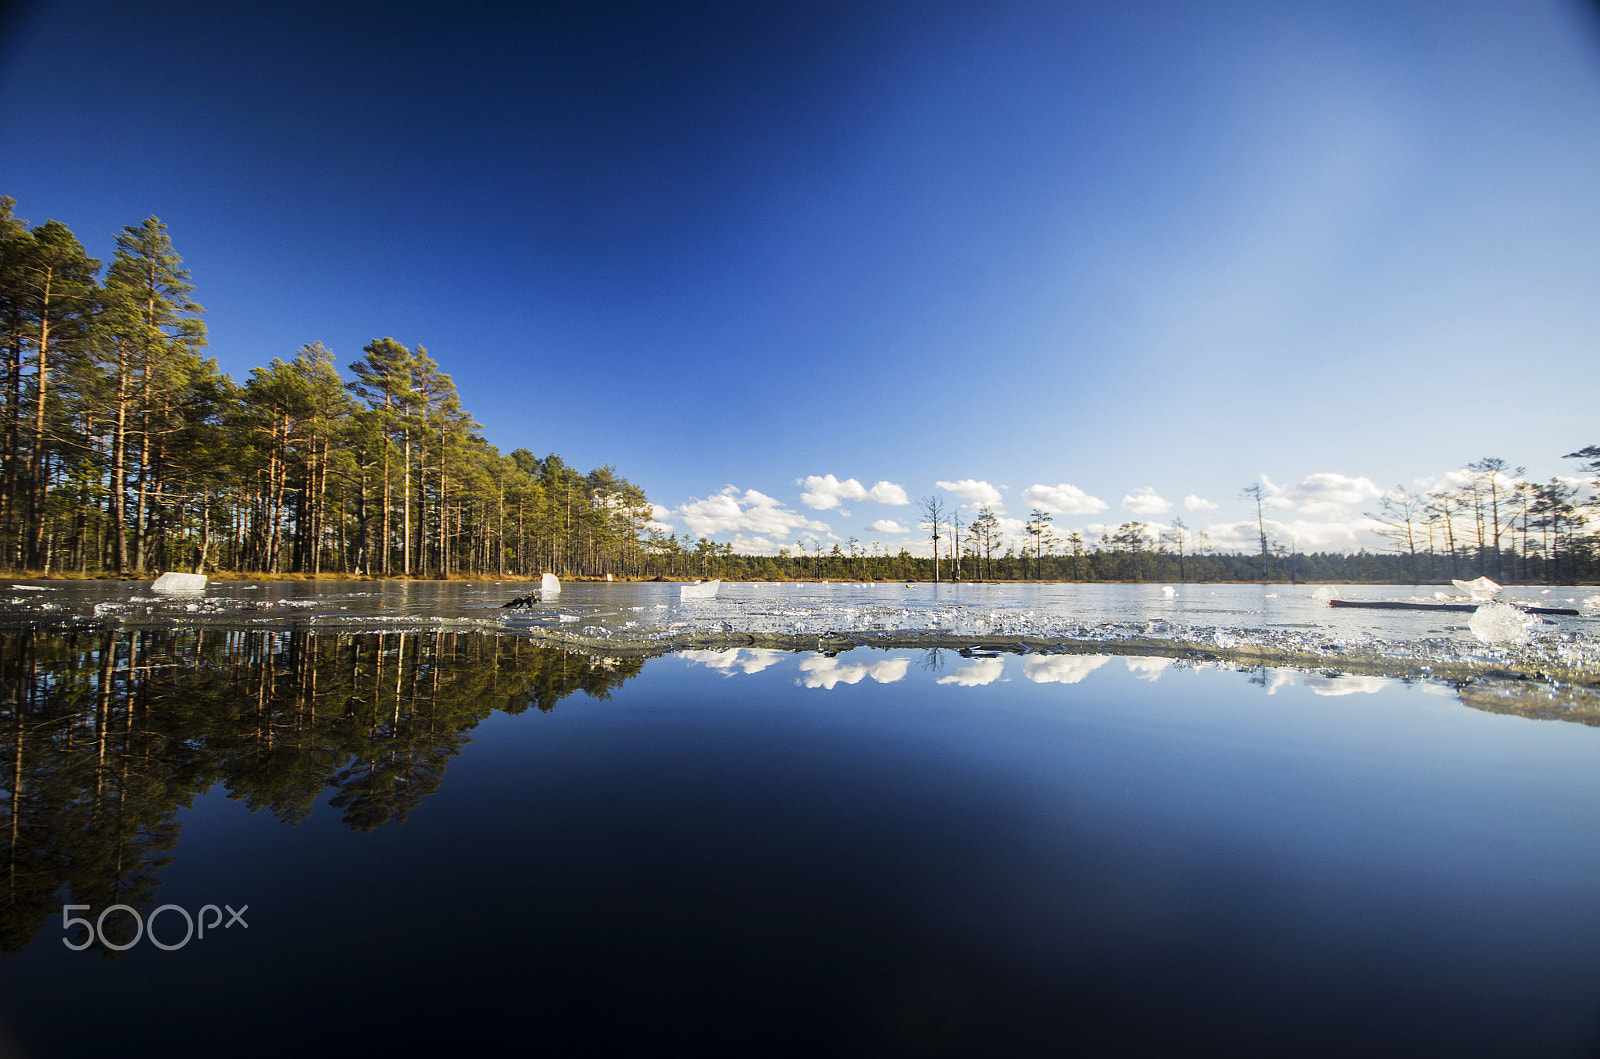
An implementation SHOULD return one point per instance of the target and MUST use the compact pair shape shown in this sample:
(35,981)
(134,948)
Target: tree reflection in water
(105,736)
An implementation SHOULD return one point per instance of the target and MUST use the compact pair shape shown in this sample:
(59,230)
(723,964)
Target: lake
(408,821)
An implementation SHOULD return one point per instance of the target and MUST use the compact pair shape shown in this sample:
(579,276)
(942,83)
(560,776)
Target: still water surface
(452,837)
(650,617)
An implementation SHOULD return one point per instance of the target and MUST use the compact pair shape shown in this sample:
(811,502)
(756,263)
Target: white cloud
(1145,502)
(1329,493)
(751,513)
(1062,499)
(1274,491)
(1013,527)
(1152,530)
(820,671)
(984,671)
(1304,535)
(826,491)
(1148,668)
(1061,669)
(1196,503)
(887,525)
(1322,684)
(741,659)
(745,545)
(976,493)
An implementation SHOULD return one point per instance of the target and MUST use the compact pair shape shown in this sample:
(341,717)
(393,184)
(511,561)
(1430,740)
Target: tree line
(1490,520)
(123,449)
(1497,523)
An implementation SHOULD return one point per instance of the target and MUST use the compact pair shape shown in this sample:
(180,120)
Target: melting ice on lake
(1279,624)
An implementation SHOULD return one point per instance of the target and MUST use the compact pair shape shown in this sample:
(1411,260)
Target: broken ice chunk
(179,584)
(1481,589)
(1501,623)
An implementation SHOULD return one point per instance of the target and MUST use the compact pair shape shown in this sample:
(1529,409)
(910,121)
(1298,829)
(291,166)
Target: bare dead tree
(932,509)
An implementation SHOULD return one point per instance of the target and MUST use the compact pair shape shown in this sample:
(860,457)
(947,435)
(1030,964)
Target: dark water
(458,841)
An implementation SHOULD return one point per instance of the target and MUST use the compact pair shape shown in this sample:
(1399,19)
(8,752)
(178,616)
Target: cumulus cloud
(658,521)
(1150,530)
(1148,668)
(887,525)
(1061,669)
(1062,499)
(1274,494)
(1329,493)
(747,545)
(825,491)
(735,659)
(1145,501)
(975,493)
(751,513)
(819,671)
(984,671)
(1198,503)
(1323,684)
(1304,535)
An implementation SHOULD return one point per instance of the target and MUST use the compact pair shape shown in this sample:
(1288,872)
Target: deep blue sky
(1084,248)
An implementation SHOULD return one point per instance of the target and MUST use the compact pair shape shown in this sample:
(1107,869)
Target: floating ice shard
(1169,591)
(549,587)
(700,590)
(1481,589)
(179,584)
(1501,623)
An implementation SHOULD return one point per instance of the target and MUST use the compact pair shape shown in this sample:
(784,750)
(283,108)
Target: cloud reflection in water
(976,674)
(820,671)
(741,659)
(1148,668)
(1061,669)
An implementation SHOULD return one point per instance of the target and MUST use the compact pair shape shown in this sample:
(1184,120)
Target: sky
(792,267)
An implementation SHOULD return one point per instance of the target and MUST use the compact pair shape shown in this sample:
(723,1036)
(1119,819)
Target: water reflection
(1148,668)
(106,737)
(976,674)
(1326,683)
(821,671)
(736,659)
(1061,669)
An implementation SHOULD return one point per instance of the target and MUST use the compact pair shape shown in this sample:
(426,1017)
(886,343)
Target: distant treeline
(1489,521)
(123,450)
(1158,563)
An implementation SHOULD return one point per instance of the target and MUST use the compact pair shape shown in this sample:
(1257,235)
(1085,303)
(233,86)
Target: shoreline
(225,576)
